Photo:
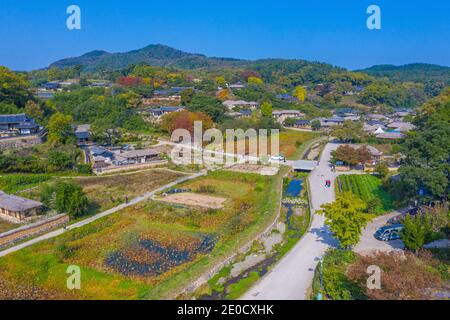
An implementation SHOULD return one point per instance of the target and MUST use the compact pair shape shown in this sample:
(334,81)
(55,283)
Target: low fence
(33,229)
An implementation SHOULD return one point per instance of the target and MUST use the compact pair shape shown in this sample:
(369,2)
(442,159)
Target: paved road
(292,276)
(369,244)
(84,222)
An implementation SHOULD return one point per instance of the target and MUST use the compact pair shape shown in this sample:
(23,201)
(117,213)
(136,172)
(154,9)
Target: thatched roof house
(17,209)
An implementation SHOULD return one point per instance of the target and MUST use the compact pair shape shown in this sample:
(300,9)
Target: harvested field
(254,168)
(105,192)
(194,200)
(150,250)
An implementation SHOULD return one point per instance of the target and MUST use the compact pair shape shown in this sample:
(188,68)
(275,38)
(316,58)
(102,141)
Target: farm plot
(367,188)
(147,251)
(254,168)
(291,143)
(193,199)
(105,192)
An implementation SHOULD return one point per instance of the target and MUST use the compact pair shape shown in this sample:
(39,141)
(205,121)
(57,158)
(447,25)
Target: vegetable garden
(368,188)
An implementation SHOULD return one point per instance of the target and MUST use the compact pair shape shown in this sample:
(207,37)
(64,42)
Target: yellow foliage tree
(255,80)
(300,93)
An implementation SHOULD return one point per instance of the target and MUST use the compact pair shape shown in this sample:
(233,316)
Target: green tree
(14,88)
(414,232)
(33,110)
(315,125)
(382,170)
(70,198)
(78,203)
(349,132)
(346,218)
(266,109)
(59,160)
(60,130)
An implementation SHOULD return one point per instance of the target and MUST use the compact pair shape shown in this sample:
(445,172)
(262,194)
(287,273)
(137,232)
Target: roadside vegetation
(404,276)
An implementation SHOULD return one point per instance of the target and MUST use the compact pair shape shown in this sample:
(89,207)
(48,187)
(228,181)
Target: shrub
(66,197)
(206,189)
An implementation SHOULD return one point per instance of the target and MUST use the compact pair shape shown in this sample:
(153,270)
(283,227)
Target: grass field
(366,187)
(6,226)
(292,142)
(105,192)
(148,251)
(12,183)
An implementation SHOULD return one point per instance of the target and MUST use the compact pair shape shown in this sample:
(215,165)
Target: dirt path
(84,222)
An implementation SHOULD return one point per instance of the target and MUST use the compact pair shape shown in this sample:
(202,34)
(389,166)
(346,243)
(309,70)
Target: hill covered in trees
(416,72)
(155,55)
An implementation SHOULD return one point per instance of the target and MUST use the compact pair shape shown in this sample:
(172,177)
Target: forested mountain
(416,72)
(155,55)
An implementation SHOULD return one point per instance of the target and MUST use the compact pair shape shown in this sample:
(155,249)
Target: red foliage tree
(130,81)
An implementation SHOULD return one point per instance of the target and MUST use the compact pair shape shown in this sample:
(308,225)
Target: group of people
(328,183)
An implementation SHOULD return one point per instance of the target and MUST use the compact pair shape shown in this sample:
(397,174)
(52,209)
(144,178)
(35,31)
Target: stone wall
(20,142)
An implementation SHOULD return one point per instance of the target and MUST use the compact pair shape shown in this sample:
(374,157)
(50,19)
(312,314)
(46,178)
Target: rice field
(148,251)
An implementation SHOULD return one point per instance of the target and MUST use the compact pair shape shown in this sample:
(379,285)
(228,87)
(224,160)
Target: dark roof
(13,118)
(346,110)
(246,112)
(375,123)
(284,96)
(334,119)
(302,122)
(82,135)
(27,125)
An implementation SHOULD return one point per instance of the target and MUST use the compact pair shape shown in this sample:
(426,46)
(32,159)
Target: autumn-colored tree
(250,73)
(300,93)
(347,155)
(404,275)
(185,120)
(255,81)
(363,154)
(223,94)
(220,81)
(130,81)
(346,218)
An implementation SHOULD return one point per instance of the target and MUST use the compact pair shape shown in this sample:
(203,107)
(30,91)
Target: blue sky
(34,34)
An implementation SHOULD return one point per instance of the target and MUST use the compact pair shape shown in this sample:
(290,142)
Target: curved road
(291,278)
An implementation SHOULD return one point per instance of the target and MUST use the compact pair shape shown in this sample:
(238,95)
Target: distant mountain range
(416,72)
(161,55)
(155,54)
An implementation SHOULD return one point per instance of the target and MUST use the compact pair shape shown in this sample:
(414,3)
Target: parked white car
(278,158)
